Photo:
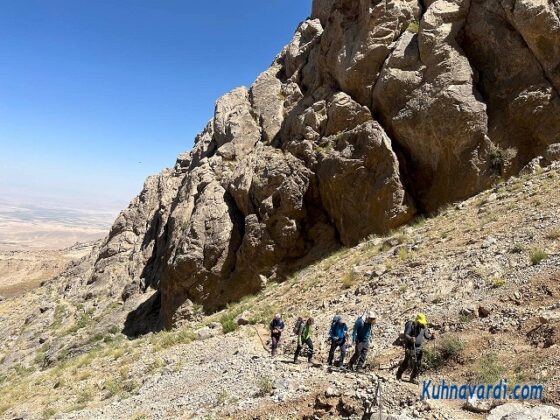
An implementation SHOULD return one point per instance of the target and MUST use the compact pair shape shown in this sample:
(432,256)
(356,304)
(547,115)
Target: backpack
(297,326)
(401,340)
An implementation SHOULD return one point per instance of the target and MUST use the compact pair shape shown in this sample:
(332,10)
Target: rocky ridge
(375,112)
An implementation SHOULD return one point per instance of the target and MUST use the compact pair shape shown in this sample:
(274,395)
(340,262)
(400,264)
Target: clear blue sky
(90,88)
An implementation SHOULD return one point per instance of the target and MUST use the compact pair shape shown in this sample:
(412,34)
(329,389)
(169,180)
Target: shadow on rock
(145,318)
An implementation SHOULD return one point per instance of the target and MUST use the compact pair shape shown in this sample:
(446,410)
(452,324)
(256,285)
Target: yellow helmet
(421,320)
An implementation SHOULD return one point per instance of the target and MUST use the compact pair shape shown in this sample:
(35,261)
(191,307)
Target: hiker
(361,336)
(276,328)
(338,335)
(415,333)
(304,337)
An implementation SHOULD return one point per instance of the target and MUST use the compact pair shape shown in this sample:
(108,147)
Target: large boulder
(357,40)
(235,129)
(515,52)
(519,411)
(426,96)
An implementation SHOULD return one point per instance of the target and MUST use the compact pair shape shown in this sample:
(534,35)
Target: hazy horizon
(97,96)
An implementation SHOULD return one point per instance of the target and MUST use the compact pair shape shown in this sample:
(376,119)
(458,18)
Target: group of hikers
(415,334)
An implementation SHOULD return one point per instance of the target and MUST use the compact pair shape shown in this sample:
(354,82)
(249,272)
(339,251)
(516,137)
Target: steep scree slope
(486,271)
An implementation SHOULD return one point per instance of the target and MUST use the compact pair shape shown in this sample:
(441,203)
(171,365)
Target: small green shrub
(404,254)
(20,370)
(264,385)
(84,396)
(554,234)
(431,359)
(498,282)
(59,314)
(119,386)
(48,412)
(113,329)
(156,365)
(537,255)
(419,221)
(108,339)
(88,358)
(413,27)
(499,160)
(41,354)
(326,148)
(349,279)
(83,321)
(112,387)
(488,370)
(402,238)
(228,323)
(222,398)
(166,339)
(386,247)
(449,349)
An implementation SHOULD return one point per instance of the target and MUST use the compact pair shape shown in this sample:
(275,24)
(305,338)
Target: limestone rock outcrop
(373,113)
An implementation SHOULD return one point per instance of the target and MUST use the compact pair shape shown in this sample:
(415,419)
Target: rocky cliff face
(374,112)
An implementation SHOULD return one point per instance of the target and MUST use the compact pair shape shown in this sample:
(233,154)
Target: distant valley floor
(38,240)
(22,271)
(25,226)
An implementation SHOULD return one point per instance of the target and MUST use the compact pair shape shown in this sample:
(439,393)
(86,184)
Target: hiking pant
(275,339)
(334,345)
(411,359)
(360,355)
(309,351)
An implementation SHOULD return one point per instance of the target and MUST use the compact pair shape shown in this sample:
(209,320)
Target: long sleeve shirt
(277,324)
(361,332)
(338,331)
(416,335)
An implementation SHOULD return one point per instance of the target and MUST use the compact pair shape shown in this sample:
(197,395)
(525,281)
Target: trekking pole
(260,338)
(379,398)
(321,351)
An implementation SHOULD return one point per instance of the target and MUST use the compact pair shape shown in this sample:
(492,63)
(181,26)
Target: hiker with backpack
(338,336)
(413,338)
(276,328)
(361,336)
(304,337)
